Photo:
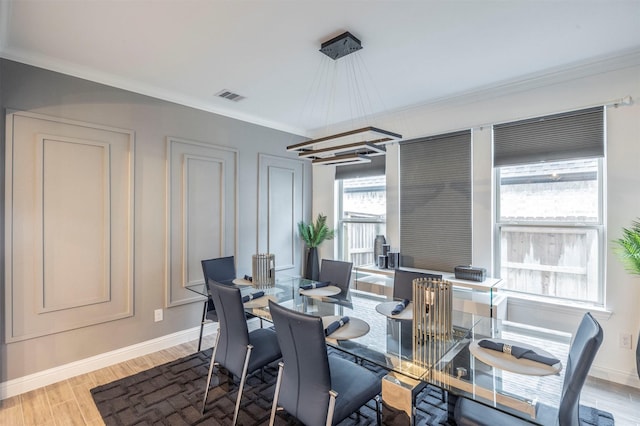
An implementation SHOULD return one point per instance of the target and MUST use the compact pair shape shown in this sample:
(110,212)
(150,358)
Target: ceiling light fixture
(337,160)
(388,136)
(353,146)
(365,148)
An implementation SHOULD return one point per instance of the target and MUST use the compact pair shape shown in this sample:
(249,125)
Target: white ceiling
(415,52)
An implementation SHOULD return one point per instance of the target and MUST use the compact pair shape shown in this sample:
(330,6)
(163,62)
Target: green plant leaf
(627,248)
(314,233)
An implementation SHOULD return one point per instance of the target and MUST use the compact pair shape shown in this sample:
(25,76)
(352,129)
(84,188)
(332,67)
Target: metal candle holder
(264,270)
(432,318)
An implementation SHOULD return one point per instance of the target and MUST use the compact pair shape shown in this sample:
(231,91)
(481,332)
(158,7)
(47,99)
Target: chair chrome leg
(378,410)
(276,394)
(332,405)
(242,380)
(211,364)
(204,315)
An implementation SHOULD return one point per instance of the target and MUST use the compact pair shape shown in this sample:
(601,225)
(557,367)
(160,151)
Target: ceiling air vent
(227,94)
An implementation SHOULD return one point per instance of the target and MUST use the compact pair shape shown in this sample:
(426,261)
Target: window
(362,213)
(550,229)
(549,215)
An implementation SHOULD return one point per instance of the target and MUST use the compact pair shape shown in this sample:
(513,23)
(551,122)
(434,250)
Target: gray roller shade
(376,167)
(576,134)
(435,202)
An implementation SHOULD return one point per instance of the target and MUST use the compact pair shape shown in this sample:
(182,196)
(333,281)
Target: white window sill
(550,310)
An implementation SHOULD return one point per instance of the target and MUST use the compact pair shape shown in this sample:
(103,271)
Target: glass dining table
(375,335)
(520,387)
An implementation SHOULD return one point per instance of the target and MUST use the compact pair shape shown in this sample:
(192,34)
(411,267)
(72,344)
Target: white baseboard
(616,376)
(53,375)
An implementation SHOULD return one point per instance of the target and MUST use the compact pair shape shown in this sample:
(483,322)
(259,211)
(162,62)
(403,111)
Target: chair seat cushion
(356,383)
(590,416)
(267,350)
(470,413)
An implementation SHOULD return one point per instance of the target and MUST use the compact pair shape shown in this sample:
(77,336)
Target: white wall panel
(69,211)
(72,207)
(202,212)
(282,215)
(279,210)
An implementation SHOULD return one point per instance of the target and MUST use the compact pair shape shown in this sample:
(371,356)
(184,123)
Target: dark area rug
(171,394)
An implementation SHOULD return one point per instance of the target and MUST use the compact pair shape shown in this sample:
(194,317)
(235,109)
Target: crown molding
(598,65)
(86,73)
(593,66)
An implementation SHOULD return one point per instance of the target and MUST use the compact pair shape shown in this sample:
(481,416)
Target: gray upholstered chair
(338,273)
(585,345)
(312,386)
(400,332)
(239,351)
(222,270)
(403,282)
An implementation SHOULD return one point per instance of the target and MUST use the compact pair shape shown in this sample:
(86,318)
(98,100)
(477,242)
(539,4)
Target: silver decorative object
(264,270)
(432,319)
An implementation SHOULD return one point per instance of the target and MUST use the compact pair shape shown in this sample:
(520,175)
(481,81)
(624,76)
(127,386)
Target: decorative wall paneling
(69,224)
(202,191)
(280,183)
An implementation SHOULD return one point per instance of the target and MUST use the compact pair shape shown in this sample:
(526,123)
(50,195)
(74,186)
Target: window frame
(339,191)
(599,226)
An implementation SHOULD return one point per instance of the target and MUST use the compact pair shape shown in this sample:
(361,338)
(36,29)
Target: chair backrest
(337,272)
(220,269)
(585,345)
(306,378)
(233,331)
(403,282)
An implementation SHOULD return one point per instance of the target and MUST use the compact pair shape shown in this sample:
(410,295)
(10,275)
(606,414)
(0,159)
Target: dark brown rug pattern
(171,394)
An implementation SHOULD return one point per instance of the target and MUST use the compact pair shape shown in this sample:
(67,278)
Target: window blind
(576,134)
(435,201)
(376,167)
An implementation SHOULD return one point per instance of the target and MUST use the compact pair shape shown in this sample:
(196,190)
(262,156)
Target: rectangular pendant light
(342,159)
(364,148)
(372,130)
(353,146)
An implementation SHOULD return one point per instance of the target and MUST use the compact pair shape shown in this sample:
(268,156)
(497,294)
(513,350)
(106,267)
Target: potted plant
(313,234)
(628,251)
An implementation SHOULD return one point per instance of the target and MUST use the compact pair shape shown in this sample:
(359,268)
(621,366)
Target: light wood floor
(70,403)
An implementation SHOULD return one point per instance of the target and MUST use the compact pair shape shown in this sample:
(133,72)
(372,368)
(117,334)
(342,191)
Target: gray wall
(35,90)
